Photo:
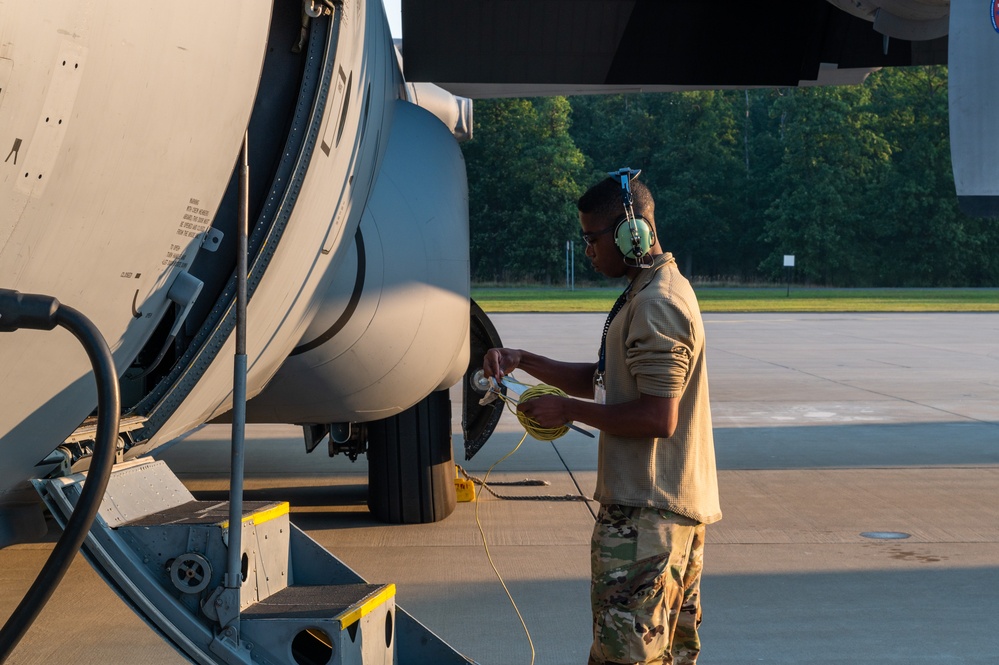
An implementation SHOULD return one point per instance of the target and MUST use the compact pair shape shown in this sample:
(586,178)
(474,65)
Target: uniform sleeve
(660,347)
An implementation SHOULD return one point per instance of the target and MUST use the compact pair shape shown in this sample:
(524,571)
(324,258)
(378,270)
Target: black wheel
(478,421)
(411,465)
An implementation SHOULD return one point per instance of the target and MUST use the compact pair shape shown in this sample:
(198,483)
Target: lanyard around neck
(618,304)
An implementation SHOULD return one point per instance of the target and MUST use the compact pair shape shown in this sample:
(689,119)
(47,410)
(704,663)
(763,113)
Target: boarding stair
(165,553)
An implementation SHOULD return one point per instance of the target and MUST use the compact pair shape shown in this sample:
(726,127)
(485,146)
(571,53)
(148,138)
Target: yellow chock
(464,489)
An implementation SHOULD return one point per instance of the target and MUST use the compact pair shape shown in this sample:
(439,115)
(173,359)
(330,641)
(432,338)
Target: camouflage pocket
(632,608)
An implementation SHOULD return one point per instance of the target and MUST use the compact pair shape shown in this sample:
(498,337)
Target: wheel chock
(464,489)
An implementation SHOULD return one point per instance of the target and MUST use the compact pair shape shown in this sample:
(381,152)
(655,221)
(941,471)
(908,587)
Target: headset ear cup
(624,241)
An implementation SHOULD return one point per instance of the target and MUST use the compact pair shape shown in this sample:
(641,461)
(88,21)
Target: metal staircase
(165,554)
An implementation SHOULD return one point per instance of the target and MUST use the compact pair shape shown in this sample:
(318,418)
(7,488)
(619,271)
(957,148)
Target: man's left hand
(549,411)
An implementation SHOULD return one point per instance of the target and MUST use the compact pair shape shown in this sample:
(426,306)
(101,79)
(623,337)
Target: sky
(394,10)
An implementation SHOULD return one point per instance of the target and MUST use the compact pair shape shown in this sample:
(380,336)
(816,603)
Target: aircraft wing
(492,48)
(524,48)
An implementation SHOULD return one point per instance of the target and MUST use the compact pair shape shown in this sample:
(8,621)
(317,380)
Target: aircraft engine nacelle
(394,325)
(913,20)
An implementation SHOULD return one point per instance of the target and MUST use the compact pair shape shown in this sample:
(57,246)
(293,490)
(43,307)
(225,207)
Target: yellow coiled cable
(533,428)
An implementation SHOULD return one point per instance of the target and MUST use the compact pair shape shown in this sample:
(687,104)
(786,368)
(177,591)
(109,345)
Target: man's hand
(646,416)
(576,379)
(500,362)
(549,411)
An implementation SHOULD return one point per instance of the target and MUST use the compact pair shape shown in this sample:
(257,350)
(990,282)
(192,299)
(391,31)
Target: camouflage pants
(645,586)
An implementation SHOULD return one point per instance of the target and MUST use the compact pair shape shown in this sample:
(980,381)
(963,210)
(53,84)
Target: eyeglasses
(590,238)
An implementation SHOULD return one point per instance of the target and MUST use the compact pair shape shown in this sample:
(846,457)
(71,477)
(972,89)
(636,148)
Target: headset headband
(626,175)
(638,249)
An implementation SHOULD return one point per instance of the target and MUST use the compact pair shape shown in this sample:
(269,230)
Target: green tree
(833,162)
(699,175)
(688,145)
(523,172)
(855,181)
(921,237)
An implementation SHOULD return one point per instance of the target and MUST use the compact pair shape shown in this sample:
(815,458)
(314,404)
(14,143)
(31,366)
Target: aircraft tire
(411,464)
(478,421)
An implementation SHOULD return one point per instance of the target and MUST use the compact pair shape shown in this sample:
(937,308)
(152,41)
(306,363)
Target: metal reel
(190,572)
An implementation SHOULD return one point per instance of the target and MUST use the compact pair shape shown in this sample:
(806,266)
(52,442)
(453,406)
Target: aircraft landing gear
(411,463)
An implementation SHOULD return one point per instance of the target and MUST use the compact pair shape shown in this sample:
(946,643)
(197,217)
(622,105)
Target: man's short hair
(605,199)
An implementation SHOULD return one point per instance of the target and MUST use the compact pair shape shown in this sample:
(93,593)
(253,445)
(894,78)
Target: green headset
(633,235)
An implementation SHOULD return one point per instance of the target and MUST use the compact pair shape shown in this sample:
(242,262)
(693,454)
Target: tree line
(855,181)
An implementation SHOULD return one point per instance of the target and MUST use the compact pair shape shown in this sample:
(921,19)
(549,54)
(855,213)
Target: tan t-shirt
(655,345)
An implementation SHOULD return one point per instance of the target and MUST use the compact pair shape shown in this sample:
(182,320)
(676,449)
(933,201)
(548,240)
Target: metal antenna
(233,576)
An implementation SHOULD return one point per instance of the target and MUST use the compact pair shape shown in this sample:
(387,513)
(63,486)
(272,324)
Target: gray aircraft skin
(121,154)
(121,129)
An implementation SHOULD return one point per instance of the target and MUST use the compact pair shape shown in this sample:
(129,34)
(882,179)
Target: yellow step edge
(283,508)
(367,607)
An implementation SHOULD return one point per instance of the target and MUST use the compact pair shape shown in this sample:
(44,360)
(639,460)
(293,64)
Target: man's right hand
(500,362)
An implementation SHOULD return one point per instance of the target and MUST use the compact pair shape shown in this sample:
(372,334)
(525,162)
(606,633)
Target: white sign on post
(789,260)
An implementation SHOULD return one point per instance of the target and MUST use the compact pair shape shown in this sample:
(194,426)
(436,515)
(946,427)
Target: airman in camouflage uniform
(646,565)
(657,481)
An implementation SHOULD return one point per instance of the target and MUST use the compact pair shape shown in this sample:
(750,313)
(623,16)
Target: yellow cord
(533,428)
(542,434)
(489,556)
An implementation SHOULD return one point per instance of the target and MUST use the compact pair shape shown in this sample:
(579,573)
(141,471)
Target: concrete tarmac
(830,429)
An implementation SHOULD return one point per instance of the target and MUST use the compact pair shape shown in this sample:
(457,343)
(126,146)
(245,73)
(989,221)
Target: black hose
(78,525)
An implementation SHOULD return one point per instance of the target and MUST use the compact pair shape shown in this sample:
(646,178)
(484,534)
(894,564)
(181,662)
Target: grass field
(737,299)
